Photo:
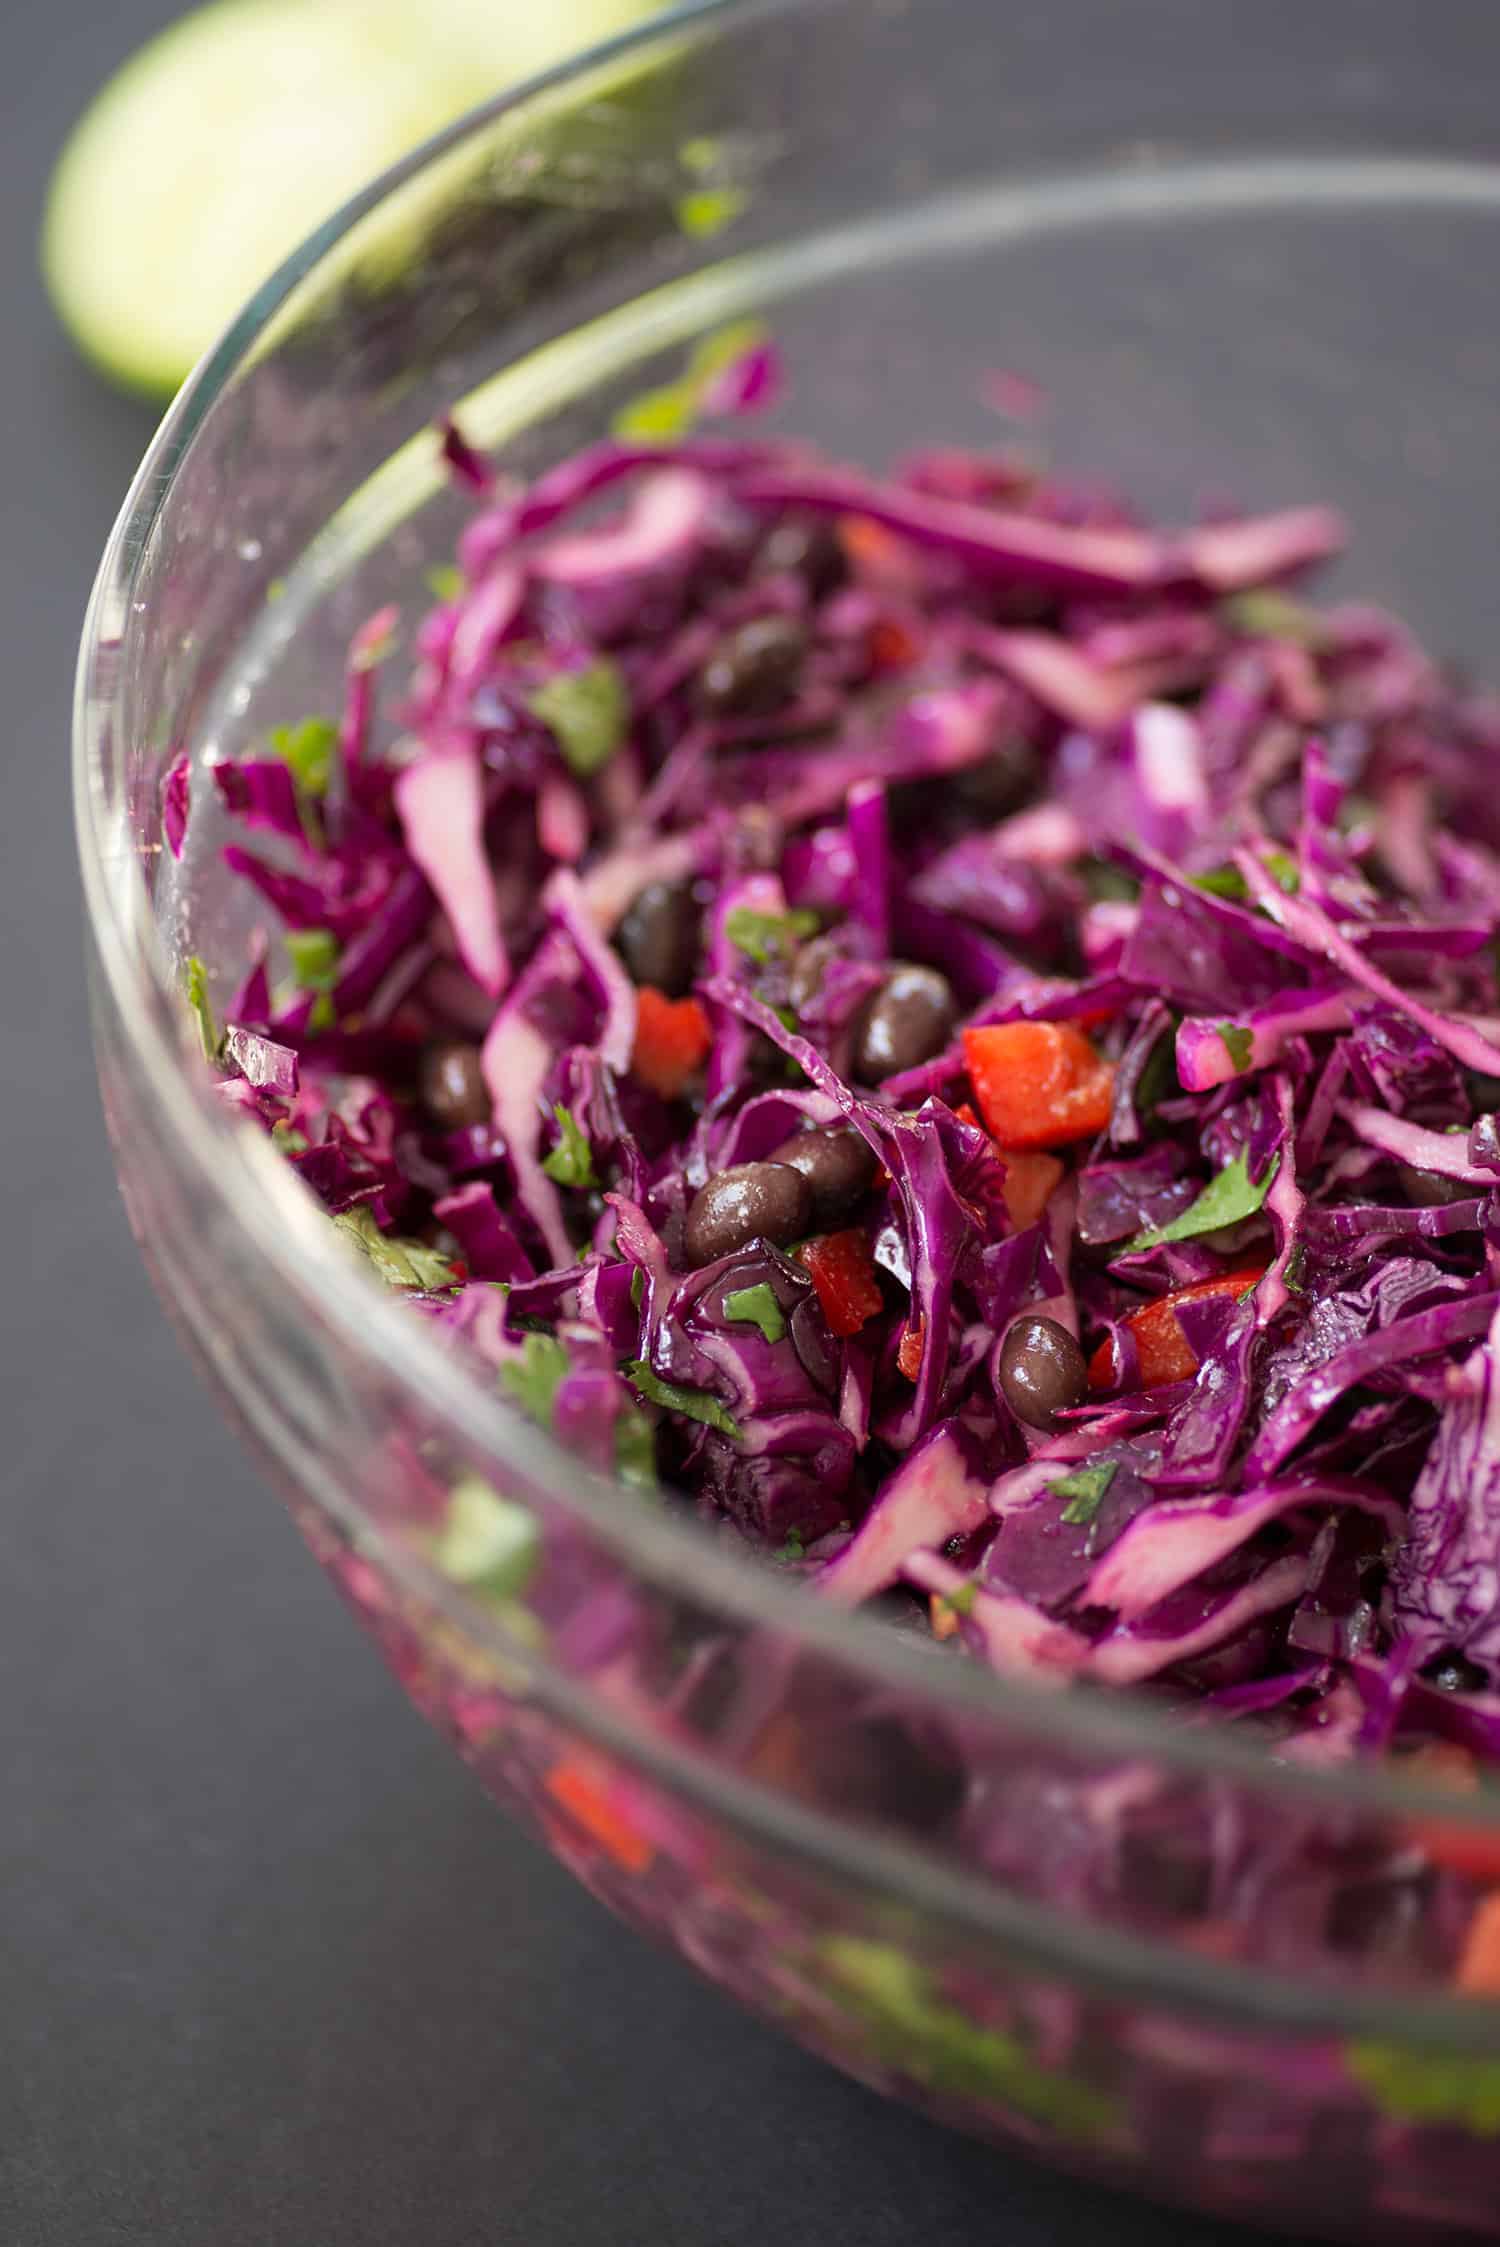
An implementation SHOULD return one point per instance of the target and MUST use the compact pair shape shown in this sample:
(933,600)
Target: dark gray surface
(271,1971)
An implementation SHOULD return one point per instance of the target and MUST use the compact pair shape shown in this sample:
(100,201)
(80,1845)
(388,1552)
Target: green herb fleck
(489,1543)
(1228,881)
(445,581)
(1417,2086)
(307,748)
(195,986)
(400,1263)
(657,416)
(635,1450)
(637,1288)
(904,2020)
(757,1306)
(1084,1490)
(701,154)
(532,1378)
(314,954)
(1291,1276)
(1108,884)
(708,210)
(1224,1201)
(571,1162)
(960,1601)
(793,1549)
(588,711)
(1263,613)
(287,1139)
(693,1404)
(1238,1043)
(768,936)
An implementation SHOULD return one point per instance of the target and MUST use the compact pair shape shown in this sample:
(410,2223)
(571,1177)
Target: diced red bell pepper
(1479,1964)
(909,1355)
(672,1038)
(583,1791)
(842,1269)
(892,646)
(1029,1178)
(1038,1084)
(1163,1352)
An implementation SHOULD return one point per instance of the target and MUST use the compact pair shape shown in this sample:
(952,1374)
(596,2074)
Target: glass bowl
(1256,265)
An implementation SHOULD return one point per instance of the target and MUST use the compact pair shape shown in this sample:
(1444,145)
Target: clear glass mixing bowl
(1242,251)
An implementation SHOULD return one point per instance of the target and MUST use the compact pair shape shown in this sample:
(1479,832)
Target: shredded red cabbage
(966,1030)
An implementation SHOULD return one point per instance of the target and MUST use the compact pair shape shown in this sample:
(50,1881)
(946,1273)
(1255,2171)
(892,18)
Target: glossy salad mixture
(954,1029)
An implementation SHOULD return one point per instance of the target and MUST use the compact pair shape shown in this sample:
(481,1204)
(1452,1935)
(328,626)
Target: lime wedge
(233,133)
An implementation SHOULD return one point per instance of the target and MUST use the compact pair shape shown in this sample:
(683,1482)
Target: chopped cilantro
(1224,1201)
(1084,1489)
(571,1162)
(1108,884)
(532,1378)
(657,416)
(288,1139)
(757,1306)
(693,1404)
(635,1450)
(314,954)
(1263,613)
(487,1542)
(637,1288)
(307,748)
(768,936)
(195,985)
(904,2019)
(588,711)
(445,581)
(400,1263)
(961,1601)
(1417,2086)
(1228,881)
(708,210)
(1238,1043)
(793,1549)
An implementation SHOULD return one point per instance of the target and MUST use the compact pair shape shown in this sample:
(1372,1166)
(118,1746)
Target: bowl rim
(275,1221)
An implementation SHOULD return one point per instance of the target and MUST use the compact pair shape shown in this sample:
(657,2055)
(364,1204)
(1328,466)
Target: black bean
(756,670)
(1455,1673)
(452,1087)
(751,1201)
(909,1019)
(838,1165)
(658,938)
(1042,1370)
(806,546)
(1429,1189)
(1000,784)
(813,960)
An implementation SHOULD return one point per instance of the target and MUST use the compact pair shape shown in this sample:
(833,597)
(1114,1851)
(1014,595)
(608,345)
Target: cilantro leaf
(445,580)
(571,1162)
(588,712)
(307,748)
(1084,1489)
(757,1306)
(400,1263)
(961,1601)
(708,210)
(902,2016)
(195,986)
(1262,612)
(1228,881)
(635,1450)
(1224,1201)
(693,1404)
(314,954)
(487,1542)
(533,1378)
(768,936)
(1238,1043)
(793,1549)
(1417,2086)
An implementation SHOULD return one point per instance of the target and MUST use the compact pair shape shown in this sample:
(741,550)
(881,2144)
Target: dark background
(271,1970)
